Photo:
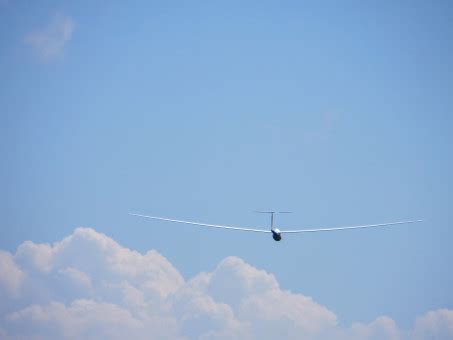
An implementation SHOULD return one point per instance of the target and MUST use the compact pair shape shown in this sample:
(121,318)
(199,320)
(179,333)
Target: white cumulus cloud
(49,42)
(88,286)
(11,282)
(435,325)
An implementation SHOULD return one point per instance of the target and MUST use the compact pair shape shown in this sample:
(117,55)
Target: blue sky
(210,110)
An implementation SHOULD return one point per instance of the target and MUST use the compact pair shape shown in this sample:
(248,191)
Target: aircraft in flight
(276,232)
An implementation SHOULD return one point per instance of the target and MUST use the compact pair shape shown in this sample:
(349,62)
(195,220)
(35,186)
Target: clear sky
(206,111)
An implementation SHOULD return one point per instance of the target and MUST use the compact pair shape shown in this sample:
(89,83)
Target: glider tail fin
(272,215)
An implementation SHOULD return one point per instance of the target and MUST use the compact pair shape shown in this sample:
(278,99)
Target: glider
(276,233)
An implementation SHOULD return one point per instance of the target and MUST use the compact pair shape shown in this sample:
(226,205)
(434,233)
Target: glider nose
(276,235)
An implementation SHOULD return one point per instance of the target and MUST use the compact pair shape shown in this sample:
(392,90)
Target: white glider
(276,233)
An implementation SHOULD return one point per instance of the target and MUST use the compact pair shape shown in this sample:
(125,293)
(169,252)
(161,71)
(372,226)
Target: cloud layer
(88,286)
(49,42)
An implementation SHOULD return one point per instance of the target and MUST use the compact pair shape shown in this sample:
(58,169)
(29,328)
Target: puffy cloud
(76,277)
(233,280)
(265,311)
(436,324)
(11,276)
(381,328)
(84,319)
(276,313)
(89,286)
(34,257)
(50,41)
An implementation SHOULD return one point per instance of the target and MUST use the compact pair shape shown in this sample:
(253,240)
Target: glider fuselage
(276,235)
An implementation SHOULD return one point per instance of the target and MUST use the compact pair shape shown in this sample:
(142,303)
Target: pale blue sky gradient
(210,110)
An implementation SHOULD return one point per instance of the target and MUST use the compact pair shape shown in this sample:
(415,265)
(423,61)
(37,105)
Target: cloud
(88,286)
(381,328)
(435,325)
(49,42)
(10,283)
